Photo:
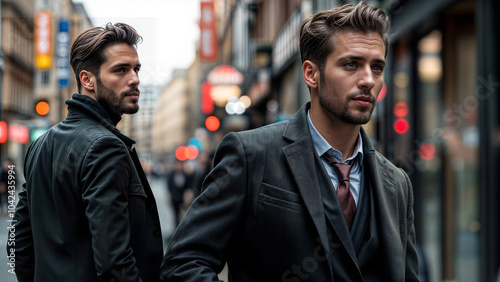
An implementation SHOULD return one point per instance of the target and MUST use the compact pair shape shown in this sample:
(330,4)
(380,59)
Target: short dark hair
(87,52)
(317,31)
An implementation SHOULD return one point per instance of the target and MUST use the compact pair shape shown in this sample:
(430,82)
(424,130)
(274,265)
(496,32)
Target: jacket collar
(297,126)
(96,111)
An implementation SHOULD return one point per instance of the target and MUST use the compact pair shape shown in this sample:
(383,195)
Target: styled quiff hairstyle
(317,32)
(87,52)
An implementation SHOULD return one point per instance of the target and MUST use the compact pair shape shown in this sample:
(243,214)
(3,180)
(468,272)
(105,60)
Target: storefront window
(429,146)
(461,136)
(435,73)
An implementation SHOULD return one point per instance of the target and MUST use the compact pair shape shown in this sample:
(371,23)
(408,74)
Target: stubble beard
(338,109)
(109,99)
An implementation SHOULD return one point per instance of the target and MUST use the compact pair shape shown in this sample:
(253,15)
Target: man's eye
(378,68)
(120,70)
(137,70)
(351,65)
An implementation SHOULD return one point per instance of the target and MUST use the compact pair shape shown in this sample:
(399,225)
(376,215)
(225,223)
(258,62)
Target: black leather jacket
(86,211)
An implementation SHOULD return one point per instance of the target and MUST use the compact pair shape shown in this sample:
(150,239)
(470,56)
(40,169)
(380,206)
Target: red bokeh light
(427,151)
(183,153)
(382,93)
(401,126)
(180,153)
(401,109)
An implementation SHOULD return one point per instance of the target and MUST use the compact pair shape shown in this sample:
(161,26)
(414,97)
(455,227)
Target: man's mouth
(133,93)
(363,100)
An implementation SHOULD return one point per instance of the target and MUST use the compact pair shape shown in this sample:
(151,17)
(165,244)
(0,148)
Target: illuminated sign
(207,103)
(225,75)
(18,133)
(42,39)
(3,132)
(224,80)
(208,38)
(62,53)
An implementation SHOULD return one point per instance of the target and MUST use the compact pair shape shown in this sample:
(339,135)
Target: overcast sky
(168,27)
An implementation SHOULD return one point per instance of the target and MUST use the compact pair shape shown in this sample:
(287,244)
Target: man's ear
(311,74)
(87,79)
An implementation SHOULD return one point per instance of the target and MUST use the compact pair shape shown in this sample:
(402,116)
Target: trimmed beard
(113,101)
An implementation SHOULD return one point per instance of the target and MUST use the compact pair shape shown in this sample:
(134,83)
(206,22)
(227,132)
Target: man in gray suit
(280,204)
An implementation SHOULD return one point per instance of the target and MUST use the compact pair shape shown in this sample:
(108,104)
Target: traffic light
(42,107)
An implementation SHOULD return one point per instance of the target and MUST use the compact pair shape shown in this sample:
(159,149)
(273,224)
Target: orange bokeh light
(212,123)
(42,108)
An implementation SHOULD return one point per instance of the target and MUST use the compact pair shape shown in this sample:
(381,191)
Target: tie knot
(341,169)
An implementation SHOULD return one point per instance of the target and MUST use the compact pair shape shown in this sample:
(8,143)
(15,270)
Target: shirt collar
(321,145)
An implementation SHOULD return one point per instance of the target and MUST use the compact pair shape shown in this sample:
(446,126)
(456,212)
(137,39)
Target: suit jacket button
(156,234)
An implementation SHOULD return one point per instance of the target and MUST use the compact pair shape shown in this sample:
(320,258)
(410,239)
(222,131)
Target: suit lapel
(300,158)
(303,162)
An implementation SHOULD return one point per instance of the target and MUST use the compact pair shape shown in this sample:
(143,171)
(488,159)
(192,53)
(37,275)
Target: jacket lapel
(300,157)
(303,163)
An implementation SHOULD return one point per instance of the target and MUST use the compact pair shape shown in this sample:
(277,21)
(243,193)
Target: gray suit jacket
(262,212)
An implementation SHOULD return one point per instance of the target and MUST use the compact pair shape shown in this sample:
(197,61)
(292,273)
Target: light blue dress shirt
(355,176)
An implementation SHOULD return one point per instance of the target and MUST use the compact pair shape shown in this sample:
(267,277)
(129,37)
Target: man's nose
(366,80)
(134,79)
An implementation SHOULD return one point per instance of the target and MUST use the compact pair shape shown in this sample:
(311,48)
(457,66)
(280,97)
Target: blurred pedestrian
(281,204)
(86,211)
(177,184)
(180,184)
(4,184)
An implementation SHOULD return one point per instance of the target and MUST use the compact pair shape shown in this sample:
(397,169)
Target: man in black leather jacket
(86,211)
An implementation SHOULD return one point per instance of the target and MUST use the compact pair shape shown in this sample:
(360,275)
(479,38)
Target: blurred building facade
(55,83)
(170,121)
(142,121)
(26,76)
(437,117)
(17,72)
